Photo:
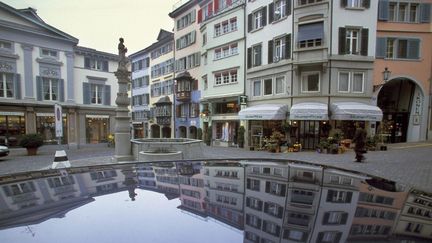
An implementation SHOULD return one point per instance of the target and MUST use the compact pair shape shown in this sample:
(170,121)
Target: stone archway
(401,100)
(193,132)
(155,131)
(182,132)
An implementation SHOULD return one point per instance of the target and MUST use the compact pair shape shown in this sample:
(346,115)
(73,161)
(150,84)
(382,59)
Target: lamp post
(386,75)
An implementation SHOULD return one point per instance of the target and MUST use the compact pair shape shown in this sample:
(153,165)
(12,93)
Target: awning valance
(312,111)
(355,111)
(264,112)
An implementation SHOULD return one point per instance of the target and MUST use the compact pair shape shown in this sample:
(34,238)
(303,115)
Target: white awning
(264,112)
(311,111)
(355,111)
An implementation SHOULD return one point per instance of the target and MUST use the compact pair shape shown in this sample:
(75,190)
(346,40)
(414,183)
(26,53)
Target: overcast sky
(99,23)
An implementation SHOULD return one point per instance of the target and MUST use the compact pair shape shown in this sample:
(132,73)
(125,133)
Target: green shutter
(425,11)
(383,10)
(342,37)
(364,42)
(61,90)
(288,7)
(86,93)
(343,3)
(264,16)
(271,12)
(17,86)
(107,96)
(39,89)
(381,46)
(270,51)
(288,46)
(413,49)
(249,22)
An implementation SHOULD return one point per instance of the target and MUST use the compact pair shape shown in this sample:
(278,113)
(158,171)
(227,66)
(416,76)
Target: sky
(98,24)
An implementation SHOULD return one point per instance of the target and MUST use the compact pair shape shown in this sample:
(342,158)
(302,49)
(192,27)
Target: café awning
(264,112)
(311,111)
(355,111)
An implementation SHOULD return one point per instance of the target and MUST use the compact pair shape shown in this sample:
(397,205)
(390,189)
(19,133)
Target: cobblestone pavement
(409,164)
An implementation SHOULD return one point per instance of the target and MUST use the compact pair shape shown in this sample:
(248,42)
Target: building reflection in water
(267,201)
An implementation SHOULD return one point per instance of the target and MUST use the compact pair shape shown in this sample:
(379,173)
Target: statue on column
(122,53)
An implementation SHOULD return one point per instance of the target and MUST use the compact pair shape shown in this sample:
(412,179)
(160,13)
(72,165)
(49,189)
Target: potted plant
(323,146)
(31,142)
(240,136)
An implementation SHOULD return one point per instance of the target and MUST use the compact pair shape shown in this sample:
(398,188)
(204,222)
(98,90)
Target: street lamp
(386,75)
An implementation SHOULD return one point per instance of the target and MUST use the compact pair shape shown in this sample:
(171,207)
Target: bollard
(61,160)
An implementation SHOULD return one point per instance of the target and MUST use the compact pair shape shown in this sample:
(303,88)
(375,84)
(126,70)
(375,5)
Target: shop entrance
(97,130)
(138,130)
(166,132)
(192,132)
(182,132)
(308,134)
(395,99)
(45,125)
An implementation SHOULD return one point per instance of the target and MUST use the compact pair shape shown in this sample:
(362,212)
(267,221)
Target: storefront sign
(97,116)
(10,113)
(58,120)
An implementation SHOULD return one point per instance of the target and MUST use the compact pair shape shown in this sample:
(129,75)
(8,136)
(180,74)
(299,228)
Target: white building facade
(223,75)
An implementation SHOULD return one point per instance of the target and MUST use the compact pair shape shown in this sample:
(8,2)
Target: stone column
(72,131)
(30,119)
(28,72)
(123,150)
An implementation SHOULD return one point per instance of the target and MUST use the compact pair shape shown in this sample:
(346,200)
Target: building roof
(30,15)
(163,37)
(183,8)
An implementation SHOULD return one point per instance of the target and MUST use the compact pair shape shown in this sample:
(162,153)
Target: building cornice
(8,55)
(80,50)
(49,61)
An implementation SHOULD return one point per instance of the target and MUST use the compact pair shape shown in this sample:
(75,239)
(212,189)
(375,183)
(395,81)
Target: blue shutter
(107,97)
(383,10)
(39,90)
(17,86)
(425,10)
(105,65)
(381,47)
(413,49)
(61,90)
(86,93)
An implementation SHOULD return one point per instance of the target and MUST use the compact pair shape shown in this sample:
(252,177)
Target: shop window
(6,85)
(310,82)
(45,125)
(97,129)
(227,107)
(11,128)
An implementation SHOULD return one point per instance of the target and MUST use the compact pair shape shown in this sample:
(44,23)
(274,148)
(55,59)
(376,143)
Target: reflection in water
(268,201)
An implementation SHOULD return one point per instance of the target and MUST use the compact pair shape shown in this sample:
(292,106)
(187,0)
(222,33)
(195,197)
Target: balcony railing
(298,222)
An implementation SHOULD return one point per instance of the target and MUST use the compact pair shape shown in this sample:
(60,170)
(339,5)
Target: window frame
(50,51)
(339,81)
(362,81)
(308,73)
(4,82)
(50,81)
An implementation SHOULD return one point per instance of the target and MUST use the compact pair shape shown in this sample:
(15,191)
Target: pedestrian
(360,142)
